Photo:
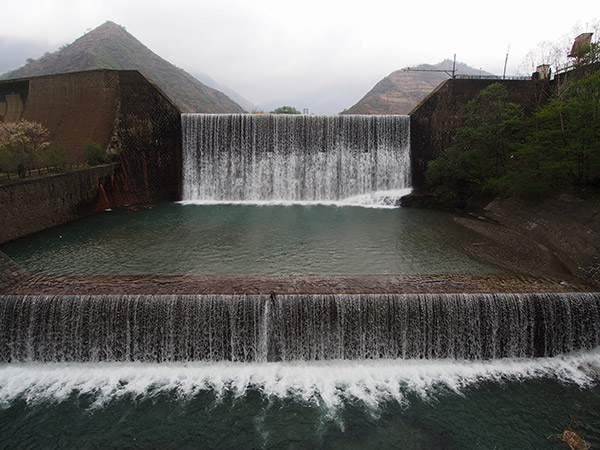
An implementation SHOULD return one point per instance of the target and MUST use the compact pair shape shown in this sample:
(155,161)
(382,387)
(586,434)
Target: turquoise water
(443,404)
(360,404)
(249,239)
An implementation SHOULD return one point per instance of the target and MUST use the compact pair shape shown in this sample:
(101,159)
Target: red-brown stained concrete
(15,281)
(292,284)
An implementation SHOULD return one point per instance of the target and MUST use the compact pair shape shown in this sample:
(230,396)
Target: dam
(402,350)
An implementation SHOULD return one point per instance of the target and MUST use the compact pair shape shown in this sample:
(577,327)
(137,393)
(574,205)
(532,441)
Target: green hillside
(110,46)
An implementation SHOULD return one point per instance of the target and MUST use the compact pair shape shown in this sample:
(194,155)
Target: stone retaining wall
(33,205)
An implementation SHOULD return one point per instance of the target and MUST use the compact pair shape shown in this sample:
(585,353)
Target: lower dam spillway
(287,301)
(250,328)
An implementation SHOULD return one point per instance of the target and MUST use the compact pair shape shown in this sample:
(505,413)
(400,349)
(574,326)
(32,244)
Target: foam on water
(328,383)
(380,200)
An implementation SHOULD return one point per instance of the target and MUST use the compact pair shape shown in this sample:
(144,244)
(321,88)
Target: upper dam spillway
(290,158)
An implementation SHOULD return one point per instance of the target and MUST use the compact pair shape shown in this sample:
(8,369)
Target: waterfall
(295,327)
(294,158)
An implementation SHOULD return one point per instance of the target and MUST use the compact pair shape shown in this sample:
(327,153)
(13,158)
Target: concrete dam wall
(131,119)
(435,121)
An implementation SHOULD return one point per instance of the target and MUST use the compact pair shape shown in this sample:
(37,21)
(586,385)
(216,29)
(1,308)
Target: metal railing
(490,77)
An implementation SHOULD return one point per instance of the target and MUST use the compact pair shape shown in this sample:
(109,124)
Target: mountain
(402,90)
(13,52)
(110,46)
(233,95)
(329,100)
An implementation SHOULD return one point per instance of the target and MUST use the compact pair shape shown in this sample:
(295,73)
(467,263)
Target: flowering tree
(22,145)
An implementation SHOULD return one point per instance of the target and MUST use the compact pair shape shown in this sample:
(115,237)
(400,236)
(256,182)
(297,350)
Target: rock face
(567,226)
(110,46)
(560,234)
(402,90)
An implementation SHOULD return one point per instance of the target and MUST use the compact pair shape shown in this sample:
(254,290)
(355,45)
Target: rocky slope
(110,46)
(568,226)
(402,90)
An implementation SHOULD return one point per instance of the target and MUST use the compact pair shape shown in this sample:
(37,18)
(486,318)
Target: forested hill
(402,90)
(110,46)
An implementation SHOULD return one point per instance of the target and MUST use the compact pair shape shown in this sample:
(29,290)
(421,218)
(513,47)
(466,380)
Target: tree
(58,157)
(563,150)
(555,54)
(285,110)
(94,153)
(481,149)
(22,144)
(502,151)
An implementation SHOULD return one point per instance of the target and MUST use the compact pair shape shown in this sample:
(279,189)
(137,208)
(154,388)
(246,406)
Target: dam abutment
(435,121)
(135,123)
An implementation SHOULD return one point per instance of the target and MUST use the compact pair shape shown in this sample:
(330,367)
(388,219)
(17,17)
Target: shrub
(58,157)
(94,153)
(285,110)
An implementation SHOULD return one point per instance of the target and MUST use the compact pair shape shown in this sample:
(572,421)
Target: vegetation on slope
(285,110)
(500,150)
(110,46)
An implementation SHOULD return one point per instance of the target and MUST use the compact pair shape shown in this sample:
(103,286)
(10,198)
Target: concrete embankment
(33,205)
(562,230)
(567,226)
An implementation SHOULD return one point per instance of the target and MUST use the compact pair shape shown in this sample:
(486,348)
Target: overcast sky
(268,49)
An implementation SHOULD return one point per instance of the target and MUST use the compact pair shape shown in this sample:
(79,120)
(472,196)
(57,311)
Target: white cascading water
(259,328)
(370,382)
(237,158)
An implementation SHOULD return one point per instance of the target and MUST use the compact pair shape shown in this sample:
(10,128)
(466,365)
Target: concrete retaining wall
(147,139)
(75,107)
(123,111)
(33,205)
(435,121)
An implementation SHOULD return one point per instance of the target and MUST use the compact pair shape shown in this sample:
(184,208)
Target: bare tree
(22,144)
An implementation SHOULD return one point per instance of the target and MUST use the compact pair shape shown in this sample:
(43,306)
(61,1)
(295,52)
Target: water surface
(195,239)
(399,404)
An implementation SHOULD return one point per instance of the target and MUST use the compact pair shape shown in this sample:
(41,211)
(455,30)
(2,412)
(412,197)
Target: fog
(268,50)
